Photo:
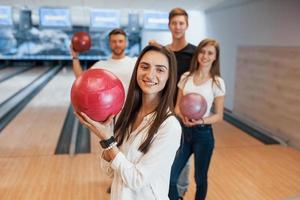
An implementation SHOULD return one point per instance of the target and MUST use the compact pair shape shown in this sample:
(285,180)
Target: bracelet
(110,146)
(106,143)
(74,58)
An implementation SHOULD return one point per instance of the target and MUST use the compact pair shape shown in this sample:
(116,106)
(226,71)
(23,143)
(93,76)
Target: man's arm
(76,66)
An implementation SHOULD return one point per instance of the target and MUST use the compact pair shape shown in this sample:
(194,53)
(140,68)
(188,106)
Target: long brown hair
(134,100)
(215,68)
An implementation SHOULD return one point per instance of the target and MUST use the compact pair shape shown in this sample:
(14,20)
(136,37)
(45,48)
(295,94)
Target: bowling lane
(7,71)
(53,177)
(14,84)
(36,129)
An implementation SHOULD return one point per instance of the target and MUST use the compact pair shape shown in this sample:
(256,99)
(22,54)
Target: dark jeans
(200,141)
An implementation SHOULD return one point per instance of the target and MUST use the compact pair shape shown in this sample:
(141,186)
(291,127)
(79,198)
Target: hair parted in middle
(134,100)
(215,68)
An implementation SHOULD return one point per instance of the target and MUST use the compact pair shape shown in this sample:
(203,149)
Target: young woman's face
(178,26)
(207,56)
(152,72)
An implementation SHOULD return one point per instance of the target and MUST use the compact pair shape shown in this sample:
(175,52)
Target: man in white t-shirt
(119,64)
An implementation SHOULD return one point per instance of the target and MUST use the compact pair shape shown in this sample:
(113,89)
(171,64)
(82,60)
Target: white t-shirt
(145,176)
(122,68)
(208,89)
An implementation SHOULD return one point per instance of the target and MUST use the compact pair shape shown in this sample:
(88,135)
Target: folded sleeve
(219,89)
(182,80)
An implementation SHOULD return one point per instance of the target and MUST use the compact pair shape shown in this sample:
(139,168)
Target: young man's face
(117,44)
(178,25)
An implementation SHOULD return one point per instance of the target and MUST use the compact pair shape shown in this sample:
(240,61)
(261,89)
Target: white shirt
(122,68)
(208,89)
(139,176)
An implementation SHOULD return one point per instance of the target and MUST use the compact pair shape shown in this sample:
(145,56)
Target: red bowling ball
(98,93)
(81,41)
(193,106)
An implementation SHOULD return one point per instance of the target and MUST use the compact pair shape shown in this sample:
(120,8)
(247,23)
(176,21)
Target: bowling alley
(149,100)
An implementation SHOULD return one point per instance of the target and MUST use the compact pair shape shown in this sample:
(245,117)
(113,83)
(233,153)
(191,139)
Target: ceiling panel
(165,5)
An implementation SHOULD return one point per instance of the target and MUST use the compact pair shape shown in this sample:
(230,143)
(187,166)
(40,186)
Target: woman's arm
(76,66)
(177,109)
(178,99)
(102,130)
(158,160)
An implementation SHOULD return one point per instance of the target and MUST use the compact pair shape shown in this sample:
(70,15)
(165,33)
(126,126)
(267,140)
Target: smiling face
(152,73)
(178,26)
(117,44)
(207,56)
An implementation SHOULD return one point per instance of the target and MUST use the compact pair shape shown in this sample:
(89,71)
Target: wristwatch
(106,143)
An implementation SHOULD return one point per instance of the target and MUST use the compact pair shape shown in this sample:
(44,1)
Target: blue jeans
(200,141)
(183,180)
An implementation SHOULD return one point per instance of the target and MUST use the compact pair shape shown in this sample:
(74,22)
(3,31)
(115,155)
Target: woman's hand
(186,121)
(102,130)
(192,122)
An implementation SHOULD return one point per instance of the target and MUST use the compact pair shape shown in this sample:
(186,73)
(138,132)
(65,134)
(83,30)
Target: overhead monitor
(55,17)
(105,19)
(155,20)
(6,16)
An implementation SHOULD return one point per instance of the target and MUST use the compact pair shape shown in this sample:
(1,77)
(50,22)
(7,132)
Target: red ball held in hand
(193,106)
(98,93)
(81,41)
